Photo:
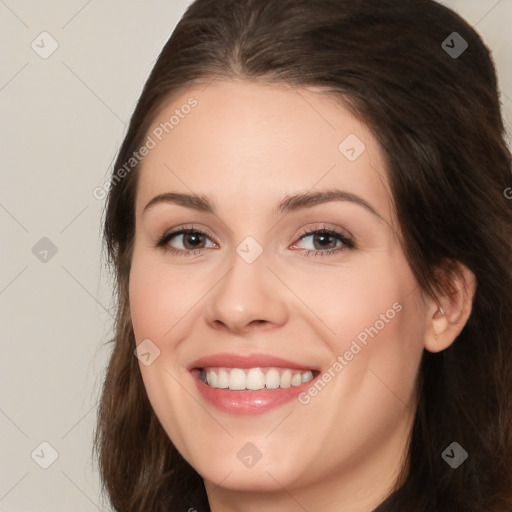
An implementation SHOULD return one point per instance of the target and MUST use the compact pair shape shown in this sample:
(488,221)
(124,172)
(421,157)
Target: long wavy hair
(436,116)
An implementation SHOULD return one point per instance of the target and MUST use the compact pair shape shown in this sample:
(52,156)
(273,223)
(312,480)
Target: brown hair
(437,119)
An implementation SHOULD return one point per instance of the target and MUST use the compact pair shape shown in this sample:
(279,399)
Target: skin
(247,146)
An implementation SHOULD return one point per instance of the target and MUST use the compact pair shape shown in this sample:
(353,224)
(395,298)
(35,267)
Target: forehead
(253,141)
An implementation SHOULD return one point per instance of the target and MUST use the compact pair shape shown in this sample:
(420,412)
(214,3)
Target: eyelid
(345,237)
(163,240)
(187,228)
(313,227)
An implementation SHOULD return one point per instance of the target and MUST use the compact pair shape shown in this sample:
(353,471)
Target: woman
(312,250)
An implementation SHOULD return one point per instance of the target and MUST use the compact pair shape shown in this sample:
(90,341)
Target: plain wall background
(62,121)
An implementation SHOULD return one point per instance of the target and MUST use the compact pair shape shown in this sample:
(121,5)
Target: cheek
(355,301)
(384,319)
(371,316)
(159,297)
(146,304)
(157,303)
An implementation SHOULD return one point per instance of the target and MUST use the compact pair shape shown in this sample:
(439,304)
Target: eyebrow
(288,204)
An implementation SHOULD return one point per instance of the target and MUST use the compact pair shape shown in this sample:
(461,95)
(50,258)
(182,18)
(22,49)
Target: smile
(238,379)
(250,384)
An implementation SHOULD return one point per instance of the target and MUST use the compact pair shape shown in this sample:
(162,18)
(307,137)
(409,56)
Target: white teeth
(272,379)
(286,379)
(307,376)
(212,379)
(296,379)
(223,381)
(255,379)
(238,379)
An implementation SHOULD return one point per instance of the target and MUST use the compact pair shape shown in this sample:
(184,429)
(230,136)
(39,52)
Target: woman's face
(253,298)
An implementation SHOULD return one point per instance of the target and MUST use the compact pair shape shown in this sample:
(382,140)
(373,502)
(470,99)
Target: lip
(246,361)
(247,402)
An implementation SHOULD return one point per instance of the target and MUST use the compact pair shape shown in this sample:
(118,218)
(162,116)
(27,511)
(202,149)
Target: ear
(448,313)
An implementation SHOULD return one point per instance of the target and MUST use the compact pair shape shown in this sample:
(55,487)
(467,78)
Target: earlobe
(448,315)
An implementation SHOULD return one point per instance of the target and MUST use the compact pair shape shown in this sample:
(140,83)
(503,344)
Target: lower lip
(247,402)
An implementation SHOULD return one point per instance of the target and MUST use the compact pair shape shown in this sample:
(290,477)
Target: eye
(190,241)
(325,241)
(185,241)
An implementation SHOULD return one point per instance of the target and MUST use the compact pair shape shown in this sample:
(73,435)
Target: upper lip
(227,360)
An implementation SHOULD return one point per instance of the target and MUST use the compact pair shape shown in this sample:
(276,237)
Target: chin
(256,479)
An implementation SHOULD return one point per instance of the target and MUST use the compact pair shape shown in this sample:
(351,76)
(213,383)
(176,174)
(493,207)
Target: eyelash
(347,242)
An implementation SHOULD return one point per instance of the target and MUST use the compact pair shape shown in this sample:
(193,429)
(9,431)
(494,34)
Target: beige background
(63,118)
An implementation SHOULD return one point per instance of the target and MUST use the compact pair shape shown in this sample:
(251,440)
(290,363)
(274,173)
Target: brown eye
(326,241)
(193,240)
(184,241)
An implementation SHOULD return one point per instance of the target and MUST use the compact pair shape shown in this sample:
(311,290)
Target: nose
(249,296)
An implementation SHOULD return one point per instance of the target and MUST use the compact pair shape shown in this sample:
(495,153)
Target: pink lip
(248,361)
(247,402)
